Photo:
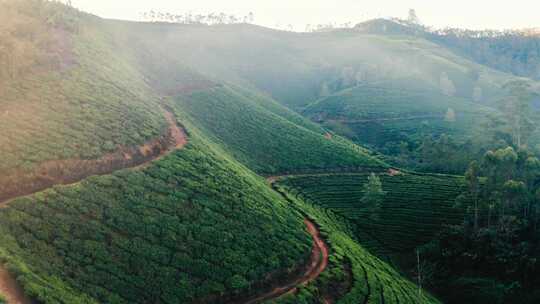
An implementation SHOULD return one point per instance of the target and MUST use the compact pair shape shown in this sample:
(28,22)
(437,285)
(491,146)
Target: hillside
(73,97)
(148,167)
(297,69)
(153,162)
(371,279)
(414,209)
(396,117)
(132,236)
(511,51)
(234,118)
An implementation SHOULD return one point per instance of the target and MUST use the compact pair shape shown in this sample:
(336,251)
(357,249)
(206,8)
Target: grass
(415,206)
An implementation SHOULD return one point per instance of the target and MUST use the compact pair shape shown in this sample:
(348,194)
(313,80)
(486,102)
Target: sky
(470,14)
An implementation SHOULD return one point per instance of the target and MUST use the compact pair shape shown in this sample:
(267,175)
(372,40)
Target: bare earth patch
(19,183)
(318,263)
(11,289)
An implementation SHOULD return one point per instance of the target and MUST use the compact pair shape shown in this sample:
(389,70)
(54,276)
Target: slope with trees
(407,123)
(371,279)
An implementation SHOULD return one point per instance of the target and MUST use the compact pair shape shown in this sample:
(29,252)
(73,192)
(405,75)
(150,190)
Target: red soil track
(20,183)
(11,289)
(74,170)
(318,263)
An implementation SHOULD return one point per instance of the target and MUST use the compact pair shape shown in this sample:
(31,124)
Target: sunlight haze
(269,151)
(459,13)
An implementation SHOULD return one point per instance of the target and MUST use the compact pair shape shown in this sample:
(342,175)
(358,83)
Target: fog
(480,14)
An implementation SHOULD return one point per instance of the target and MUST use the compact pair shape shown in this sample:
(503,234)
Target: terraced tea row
(373,281)
(414,208)
(235,118)
(384,114)
(167,233)
(94,105)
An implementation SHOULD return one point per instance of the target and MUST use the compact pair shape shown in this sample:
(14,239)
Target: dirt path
(318,263)
(389,171)
(58,172)
(11,289)
(68,171)
(427,116)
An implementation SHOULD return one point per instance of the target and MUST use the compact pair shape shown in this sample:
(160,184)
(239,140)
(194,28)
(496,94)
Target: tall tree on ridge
(516,109)
(373,195)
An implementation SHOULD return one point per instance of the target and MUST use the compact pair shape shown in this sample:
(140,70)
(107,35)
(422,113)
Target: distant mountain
(512,51)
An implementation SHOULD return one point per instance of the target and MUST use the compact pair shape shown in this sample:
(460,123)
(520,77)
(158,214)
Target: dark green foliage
(414,208)
(373,281)
(84,102)
(191,226)
(414,127)
(266,142)
(490,266)
(493,255)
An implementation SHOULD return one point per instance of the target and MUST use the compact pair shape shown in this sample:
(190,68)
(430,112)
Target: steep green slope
(197,225)
(414,209)
(262,138)
(299,68)
(78,99)
(370,280)
(192,227)
(384,114)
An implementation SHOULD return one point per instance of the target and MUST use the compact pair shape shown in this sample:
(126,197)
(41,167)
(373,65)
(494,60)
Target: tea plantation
(414,209)
(234,118)
(396,111)
(85,100)
(370,279)
(191,227)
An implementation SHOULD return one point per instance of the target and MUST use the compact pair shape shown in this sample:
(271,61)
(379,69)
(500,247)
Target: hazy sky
(473,14)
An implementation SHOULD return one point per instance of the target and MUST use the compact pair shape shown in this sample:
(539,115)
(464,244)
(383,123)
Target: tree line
(492,256)
(191,18)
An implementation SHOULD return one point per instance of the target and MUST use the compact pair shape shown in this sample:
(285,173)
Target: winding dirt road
(317,264)
(69,171)
(11,290)
(60,172)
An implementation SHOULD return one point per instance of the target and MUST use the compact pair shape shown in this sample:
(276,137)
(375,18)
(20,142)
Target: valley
(226,162)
